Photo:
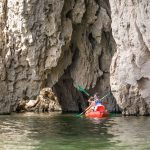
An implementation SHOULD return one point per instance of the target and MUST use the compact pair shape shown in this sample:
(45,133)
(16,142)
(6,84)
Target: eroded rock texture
(130,68)
(56,44)
(46,101)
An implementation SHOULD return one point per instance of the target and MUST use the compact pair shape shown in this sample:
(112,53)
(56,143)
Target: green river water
(67,132)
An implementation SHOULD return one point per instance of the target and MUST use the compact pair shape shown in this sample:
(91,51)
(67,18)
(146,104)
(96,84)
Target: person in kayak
(94,102)
(91,105)
(98,101)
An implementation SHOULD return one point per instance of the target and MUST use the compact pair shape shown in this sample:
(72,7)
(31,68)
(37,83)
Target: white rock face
(130,67)
(31,44)
(56,44)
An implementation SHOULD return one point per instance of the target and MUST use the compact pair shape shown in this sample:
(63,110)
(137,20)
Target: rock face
(130,67)
(56,44)
(63,43)
(46,101)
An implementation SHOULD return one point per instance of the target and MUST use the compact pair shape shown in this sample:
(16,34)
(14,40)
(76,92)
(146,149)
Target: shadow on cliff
(84,40)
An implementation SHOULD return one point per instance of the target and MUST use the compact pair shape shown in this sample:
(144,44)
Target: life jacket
(100,108)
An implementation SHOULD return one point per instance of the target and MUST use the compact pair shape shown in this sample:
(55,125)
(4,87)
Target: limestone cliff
(130,68)
(56,44)
(63,43)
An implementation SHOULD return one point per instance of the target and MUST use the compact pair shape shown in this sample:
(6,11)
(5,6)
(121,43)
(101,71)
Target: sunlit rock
(130,67)
(57,44)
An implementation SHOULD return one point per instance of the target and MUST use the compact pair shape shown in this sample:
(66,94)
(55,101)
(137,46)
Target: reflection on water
(133,132)
(67,132)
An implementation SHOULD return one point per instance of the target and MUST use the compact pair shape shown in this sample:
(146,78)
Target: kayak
(100,112)
(97,114)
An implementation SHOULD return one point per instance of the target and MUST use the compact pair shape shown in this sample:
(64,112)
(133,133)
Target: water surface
(67,132)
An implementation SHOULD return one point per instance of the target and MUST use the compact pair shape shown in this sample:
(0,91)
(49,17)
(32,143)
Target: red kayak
(100,112)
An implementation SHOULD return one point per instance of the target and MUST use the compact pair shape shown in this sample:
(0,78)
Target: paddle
(83,111)
(81,89)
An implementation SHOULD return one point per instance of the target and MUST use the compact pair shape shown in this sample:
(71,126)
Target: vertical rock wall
(130,67)
(54,43)
(92,46)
